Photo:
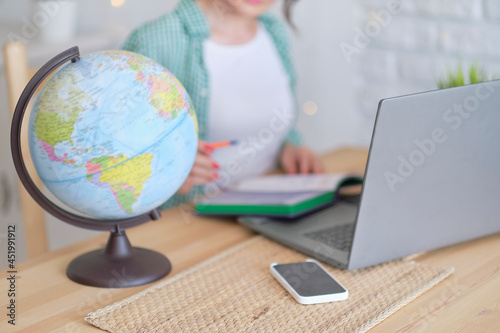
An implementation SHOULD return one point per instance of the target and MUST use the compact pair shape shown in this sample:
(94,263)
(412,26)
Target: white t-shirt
(250,102)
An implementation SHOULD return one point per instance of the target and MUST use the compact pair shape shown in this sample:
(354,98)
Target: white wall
(412,47)
(324,77)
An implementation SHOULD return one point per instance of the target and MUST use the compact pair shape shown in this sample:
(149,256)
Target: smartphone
(309,282)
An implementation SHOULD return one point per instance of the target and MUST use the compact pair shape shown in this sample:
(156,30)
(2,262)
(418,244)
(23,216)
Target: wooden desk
(47,301)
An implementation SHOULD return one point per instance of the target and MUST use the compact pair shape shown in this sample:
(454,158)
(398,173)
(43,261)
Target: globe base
(118,265)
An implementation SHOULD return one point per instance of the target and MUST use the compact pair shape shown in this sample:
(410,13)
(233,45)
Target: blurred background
(348,55)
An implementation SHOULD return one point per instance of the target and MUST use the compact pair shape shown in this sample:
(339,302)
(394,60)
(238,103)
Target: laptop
(432,179)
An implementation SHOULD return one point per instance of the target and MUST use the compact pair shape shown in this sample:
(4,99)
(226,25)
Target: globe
(113,135)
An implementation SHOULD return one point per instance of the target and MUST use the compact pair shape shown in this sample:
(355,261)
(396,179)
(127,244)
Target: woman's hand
(300,160)
(204,169)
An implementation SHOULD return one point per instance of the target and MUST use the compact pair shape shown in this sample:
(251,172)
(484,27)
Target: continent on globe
(113,135)
(125,180)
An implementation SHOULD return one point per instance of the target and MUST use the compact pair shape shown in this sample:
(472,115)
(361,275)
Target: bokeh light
(117,3)
(310,108)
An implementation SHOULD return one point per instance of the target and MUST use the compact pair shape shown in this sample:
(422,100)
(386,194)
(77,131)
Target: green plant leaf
(456,78)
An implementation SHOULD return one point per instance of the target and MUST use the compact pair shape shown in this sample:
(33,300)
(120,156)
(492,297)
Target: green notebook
(277,195)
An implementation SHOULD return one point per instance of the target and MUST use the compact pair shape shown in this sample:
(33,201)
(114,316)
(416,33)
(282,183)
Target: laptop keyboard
(338,237)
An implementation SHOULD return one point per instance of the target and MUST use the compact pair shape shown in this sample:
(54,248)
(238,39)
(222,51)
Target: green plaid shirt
(175,40)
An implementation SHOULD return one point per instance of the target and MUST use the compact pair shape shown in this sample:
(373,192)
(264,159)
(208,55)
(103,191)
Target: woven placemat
(234,292)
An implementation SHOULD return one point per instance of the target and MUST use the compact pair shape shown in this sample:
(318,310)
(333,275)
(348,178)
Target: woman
(234,61)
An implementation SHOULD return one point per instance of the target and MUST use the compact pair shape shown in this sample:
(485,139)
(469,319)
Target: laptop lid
(432,177)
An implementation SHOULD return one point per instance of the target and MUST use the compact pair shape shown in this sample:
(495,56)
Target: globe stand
(118,264)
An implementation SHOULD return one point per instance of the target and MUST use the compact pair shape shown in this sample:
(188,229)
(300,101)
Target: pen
(221,144)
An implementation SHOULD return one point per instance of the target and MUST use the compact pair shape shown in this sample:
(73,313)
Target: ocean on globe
(113,135)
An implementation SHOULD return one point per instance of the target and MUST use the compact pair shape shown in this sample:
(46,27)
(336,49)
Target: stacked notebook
(286,196)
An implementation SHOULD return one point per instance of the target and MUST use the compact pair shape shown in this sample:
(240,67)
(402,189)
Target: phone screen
(308,279)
